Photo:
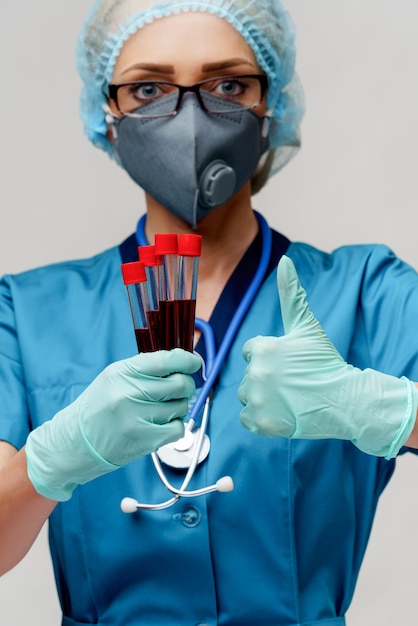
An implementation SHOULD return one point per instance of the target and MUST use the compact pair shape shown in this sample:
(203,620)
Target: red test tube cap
(148,257)
(133,273)
(190,245)
(165,244)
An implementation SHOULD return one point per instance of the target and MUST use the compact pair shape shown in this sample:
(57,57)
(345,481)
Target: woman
(275,550)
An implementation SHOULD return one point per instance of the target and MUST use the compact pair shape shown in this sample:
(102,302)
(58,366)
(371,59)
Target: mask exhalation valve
(217,184)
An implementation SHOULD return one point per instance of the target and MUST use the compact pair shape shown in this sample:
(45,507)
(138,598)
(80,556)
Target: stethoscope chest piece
(179,454)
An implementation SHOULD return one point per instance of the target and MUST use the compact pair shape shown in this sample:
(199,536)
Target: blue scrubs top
(284,548)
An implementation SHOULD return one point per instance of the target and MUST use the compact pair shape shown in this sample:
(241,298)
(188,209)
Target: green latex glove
(131,409)
(299,386)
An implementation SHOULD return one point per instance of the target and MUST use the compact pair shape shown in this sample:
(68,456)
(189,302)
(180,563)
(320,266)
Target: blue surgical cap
(264,24)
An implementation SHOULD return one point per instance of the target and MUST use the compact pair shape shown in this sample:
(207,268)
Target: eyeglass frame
(112,90)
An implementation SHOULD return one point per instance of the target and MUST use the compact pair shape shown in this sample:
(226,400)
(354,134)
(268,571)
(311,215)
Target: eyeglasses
(152,98)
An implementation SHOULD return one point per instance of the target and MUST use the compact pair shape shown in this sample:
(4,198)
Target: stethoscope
(194,447)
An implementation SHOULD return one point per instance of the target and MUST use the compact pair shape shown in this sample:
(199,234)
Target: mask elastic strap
(196,200)
(266,123)
(110,120)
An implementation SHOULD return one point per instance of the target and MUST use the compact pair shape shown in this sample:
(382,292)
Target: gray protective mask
(193,161)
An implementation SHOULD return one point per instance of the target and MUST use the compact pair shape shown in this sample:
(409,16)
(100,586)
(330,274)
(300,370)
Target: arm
(131,409)
(298,386)
(412,441)
(22,512)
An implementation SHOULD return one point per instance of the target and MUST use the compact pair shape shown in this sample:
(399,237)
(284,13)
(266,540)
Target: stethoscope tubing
(213,373)
(191,470)
(213,365)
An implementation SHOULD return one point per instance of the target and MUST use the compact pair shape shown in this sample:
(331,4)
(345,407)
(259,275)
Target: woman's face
(185,49)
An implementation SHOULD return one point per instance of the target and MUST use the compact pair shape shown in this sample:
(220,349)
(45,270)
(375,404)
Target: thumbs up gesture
(299,386)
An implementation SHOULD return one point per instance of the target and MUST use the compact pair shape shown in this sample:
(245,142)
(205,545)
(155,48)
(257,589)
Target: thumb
(294,306)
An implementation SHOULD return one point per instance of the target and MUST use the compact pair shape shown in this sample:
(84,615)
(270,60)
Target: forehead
(188,38)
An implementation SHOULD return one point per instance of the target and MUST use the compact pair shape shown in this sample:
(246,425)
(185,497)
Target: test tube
(166,247)
(189,250)
(152,262)
(134,278)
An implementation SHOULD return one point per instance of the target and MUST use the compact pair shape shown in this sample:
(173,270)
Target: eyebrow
(151,67)
(169,69)
(222,65)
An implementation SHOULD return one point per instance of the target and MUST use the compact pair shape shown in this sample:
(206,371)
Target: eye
(135,95)
(146,91)
(231,88)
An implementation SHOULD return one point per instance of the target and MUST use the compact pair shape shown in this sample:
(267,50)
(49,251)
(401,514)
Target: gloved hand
(298,385)
(131,409)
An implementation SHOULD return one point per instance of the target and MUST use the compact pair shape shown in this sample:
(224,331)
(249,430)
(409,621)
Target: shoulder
(344,255)
(63,276)
(363,265)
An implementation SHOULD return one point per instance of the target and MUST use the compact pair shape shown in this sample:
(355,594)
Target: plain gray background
(354,181)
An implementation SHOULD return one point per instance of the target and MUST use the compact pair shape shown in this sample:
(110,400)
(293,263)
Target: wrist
(406,429)
(45,456)
(59,457)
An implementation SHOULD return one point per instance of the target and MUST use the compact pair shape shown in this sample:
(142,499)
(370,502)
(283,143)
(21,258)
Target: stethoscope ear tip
(129,505)
(225,484)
